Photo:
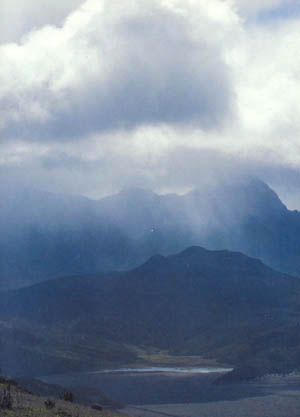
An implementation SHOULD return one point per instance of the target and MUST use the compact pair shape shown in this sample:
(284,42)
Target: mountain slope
(19,402)
(44,235)
(218,304)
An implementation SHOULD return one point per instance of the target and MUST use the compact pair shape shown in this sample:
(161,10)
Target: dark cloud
(158,73)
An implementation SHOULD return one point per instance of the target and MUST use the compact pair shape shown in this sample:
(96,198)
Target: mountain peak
(137,192)
(193,250)
(264,197)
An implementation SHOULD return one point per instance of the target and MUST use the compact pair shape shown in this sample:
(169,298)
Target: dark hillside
(219,304)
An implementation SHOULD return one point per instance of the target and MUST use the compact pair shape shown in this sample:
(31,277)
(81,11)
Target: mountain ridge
(45,235)
(216,304)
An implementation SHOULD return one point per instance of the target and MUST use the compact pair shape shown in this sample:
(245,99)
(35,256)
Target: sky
(96,96)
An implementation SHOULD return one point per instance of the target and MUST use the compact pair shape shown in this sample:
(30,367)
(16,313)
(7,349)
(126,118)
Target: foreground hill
(18,402)
(218,304)
(45,235)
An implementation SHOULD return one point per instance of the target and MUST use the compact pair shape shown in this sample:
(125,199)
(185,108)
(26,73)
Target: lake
(181,392)
(158,385)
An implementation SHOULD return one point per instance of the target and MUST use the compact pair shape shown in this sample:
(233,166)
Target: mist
(57,235)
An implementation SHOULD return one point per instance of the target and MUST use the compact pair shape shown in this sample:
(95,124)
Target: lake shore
(281,404)
(272,396)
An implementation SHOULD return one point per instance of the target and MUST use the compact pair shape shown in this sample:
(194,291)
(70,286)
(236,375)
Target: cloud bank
(167,94)
(116,67)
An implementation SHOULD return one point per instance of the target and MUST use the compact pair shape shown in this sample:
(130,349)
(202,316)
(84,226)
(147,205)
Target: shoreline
(279,397)
(186,393)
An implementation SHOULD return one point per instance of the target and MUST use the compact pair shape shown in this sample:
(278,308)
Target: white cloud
(157,93)
(266,70)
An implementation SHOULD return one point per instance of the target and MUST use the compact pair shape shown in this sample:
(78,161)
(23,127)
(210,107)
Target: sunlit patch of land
(156,357)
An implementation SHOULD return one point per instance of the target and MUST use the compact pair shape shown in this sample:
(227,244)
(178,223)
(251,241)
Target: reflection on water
(160,369)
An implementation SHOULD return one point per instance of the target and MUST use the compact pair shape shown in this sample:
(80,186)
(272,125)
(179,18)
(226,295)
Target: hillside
(18,402)
(59,235)
(217,304)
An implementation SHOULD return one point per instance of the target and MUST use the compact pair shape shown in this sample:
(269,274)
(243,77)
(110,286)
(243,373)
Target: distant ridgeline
(218,304)
(46,235)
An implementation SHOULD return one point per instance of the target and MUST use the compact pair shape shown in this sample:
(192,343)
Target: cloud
(20,17)
(257,6)
(266,70)
(95,170)
(116,67)
(163,94)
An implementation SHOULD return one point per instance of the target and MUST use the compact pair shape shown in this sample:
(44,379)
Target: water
(159,369)
(158,385)
(178,391)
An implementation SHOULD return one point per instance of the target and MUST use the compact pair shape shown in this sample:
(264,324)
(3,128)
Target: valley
(218,305)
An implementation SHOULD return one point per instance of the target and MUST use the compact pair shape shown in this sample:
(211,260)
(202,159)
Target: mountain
(217,304)
(45,235)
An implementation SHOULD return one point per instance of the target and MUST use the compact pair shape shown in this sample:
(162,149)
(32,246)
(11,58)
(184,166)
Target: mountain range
(45,235)
(218,304)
